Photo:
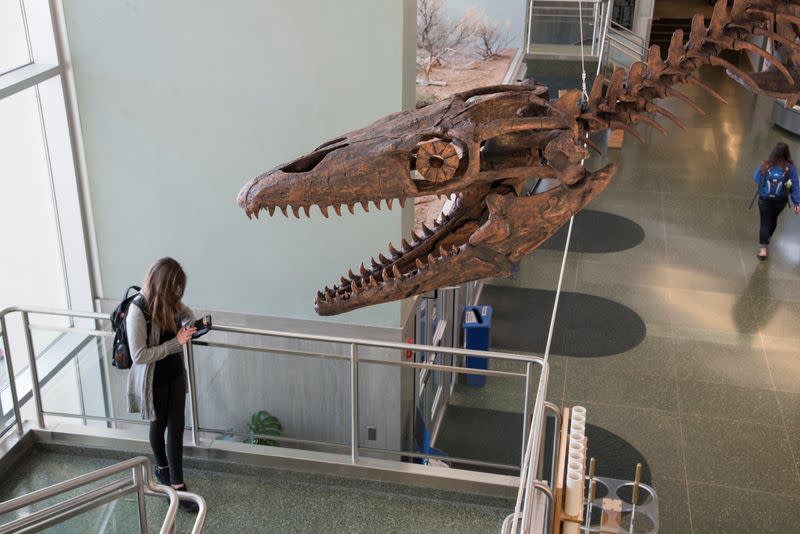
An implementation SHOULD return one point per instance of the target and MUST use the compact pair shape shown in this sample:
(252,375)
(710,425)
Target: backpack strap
(137,288)
(140,303)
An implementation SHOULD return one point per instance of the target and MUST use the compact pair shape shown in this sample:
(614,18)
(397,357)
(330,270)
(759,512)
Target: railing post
(140,475)
(35,386)
(192,393)
(12,382)
(354,402)
(526,414)
(595,14)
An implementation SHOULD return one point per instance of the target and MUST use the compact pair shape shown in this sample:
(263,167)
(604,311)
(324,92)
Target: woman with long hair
(158,325)
(776,178)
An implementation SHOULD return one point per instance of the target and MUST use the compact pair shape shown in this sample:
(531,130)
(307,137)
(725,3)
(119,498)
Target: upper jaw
(324,186)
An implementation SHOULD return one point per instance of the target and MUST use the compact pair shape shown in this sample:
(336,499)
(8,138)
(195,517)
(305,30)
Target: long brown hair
(163,289)
(780,157)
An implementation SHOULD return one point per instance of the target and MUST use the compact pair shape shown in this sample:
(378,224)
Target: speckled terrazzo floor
(708,392)
(259,500)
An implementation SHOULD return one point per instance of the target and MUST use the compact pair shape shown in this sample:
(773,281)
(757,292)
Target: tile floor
(711,396)
(247,499)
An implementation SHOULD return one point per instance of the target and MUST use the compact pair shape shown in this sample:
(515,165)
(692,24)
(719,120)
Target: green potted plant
(265,424)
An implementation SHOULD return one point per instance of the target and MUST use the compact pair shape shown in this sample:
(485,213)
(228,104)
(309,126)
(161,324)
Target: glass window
(31,271)
(13,42)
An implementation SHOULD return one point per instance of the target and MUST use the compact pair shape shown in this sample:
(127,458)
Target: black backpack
(121,353)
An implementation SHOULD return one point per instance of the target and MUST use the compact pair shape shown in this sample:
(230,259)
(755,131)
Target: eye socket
(307,163)
(437,160)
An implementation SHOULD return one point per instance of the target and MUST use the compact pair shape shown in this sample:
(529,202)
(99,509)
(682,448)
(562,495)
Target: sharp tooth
(428,231)
(442,252)
(455,250)
(354,287)
(296,211)
(256,213)
(375,264)
(396,272)
(249,214)
(283,210)
(394,251)
(305,211)
(420,265)
(389,202)
(431,259)
(345,282)
(406,246)
(363,270)
(377,203)
(373,281)
(351,209)
(271,210)
(352,276)
(384,259)
(328,290)
(416,237)
(324,211)
(320,296)
(402,202)
(385,274)
(338,209)
(365,205)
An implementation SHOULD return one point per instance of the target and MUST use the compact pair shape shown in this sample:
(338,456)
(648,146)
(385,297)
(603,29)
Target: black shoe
(162,474)
(187,505)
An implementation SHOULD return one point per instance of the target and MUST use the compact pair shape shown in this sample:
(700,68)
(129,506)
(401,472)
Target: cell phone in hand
(203,325)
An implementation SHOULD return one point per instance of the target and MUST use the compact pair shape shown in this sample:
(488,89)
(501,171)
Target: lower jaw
(469,264)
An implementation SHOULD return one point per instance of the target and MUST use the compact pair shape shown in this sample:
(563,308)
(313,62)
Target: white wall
(182,102)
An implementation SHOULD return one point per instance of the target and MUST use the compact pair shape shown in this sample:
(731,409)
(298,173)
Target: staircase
(662,29)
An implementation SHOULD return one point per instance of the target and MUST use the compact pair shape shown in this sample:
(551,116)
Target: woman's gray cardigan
(145,353)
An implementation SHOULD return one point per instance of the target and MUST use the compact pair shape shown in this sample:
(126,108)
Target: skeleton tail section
(627,99)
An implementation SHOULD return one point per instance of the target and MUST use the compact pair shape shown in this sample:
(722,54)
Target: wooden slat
(561,470)
(612,516)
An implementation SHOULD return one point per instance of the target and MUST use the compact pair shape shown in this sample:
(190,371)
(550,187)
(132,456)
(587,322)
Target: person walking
(158,325)
(776,179)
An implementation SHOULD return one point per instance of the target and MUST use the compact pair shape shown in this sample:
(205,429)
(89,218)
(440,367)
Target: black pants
(769,209)
(169,402)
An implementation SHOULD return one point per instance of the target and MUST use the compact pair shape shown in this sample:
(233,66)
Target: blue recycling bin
(477,322)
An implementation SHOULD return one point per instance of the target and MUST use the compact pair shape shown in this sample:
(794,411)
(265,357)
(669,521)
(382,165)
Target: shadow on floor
(588,326)
(597,232)
(616,458)
(478,434)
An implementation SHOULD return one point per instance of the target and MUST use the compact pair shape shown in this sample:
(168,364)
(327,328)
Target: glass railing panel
(117,517)
(555,27)
(304,391)
(448,417)
(78,383)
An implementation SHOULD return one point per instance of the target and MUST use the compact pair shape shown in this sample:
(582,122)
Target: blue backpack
(773,183)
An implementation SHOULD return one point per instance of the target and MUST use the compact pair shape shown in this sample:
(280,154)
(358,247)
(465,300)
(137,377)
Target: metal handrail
(349,343)
(629,34)
(625,49)
(139,482)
